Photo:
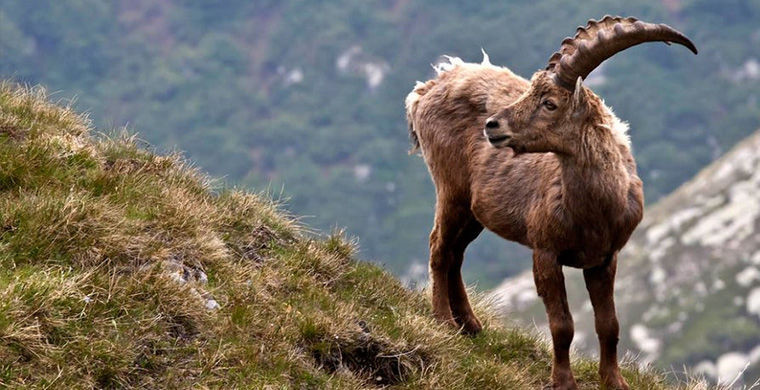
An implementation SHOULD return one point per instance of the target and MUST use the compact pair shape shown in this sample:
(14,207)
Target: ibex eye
(549,105)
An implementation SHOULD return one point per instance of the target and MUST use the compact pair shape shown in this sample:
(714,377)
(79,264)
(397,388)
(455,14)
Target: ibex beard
(542,162)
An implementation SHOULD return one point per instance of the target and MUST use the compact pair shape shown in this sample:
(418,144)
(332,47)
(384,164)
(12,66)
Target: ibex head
(552,114)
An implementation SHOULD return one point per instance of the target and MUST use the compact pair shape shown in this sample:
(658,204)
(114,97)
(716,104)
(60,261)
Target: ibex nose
(492,123)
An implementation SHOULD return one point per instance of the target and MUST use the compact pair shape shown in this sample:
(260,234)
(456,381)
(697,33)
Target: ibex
(542,162)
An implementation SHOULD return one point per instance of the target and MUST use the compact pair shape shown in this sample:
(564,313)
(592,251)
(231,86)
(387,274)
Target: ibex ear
(579,96)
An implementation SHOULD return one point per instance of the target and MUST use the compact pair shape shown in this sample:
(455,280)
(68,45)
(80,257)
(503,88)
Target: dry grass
(123,269)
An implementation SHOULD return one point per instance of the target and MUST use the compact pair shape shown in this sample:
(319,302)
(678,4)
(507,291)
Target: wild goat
(544,163)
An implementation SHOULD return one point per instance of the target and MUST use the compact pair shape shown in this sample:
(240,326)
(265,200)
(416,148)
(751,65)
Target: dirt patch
(257,243)
(373,358)
(182,327)
(13,132)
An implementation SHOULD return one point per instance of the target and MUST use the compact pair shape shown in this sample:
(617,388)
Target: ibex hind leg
(455,227)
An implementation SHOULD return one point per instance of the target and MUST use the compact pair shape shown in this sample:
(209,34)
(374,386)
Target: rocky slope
(688,289)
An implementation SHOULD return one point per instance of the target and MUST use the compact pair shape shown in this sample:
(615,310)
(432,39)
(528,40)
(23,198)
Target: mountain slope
(688,289)
(122,268)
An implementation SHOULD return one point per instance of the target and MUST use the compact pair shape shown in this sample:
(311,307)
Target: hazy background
(305,98)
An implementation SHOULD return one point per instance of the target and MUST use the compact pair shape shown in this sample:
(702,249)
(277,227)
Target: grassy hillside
(122,268)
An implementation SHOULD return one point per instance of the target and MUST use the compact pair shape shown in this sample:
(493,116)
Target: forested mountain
(305,98)
(688,283)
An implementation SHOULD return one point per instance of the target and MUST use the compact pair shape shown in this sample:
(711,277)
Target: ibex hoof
(471,326)
(616,384)
(612,380)
(563,382)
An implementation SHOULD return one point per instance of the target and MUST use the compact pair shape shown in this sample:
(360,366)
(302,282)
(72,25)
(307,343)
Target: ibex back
(542,162)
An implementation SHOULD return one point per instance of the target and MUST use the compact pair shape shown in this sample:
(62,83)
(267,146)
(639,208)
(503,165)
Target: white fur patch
(413,97)
(618,127)
(450,63)
(486,59)
(447,65)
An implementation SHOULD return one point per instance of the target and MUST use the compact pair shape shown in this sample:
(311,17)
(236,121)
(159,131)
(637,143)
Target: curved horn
(600,40)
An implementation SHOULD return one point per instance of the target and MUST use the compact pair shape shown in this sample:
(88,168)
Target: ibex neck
(594,179)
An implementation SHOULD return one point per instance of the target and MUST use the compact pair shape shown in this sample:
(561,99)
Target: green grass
(120,268)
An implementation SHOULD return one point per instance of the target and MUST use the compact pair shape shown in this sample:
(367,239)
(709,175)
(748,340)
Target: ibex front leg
(454,229)
(600,283)
(550,284)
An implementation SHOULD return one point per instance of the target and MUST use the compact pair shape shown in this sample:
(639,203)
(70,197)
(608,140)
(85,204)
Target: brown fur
(563,184)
